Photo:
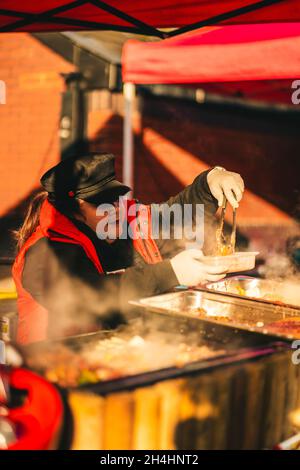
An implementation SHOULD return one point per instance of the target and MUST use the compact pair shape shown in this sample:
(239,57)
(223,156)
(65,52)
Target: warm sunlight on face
(107,218)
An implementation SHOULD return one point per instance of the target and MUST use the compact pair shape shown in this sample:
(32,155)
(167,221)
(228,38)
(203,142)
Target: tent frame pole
(138,26)
(214,20)
(128,143)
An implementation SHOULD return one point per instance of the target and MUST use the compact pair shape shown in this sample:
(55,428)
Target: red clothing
(33,317)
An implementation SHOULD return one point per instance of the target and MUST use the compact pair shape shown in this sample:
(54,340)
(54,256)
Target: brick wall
(175,141)
(29,119)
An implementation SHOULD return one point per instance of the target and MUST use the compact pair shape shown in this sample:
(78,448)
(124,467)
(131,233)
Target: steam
(278,267)
(76,307)
(135,348)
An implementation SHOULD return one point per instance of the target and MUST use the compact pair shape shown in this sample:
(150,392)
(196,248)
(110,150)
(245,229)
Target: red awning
(140,16)
(228,58)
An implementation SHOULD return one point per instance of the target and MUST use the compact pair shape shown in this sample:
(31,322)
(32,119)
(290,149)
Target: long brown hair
(31,220)
(68,207)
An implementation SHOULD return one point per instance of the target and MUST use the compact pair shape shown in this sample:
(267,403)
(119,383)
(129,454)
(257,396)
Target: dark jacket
(64,280)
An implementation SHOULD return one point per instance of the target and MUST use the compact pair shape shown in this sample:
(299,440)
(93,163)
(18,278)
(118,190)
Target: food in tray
(114,357)
(241,291)
(267,296)
(251,288)
(202,313)
(288,326)
(273,298)
(234,262)
(224,250)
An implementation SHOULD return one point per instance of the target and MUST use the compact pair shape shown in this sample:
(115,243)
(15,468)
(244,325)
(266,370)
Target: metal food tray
(240,313)
(151,406)
(242,349)
(262,290)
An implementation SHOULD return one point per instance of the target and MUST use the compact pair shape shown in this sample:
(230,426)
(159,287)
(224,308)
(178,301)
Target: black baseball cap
(90,177)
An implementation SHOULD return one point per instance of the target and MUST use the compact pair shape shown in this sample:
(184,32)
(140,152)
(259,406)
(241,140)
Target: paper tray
(236,262)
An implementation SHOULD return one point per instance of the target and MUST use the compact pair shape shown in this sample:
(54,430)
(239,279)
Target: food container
(269,291)
(240,261)
(207,404)
(244,314)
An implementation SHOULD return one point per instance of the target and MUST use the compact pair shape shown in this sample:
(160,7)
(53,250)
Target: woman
(66,270)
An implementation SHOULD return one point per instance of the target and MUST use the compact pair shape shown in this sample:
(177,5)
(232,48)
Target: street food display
(114,357)
(288,326)
(241,313)
(145,385)
(272,291)
(225,254)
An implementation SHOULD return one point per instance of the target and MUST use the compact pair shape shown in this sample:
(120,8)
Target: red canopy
(233,55)
(139,15)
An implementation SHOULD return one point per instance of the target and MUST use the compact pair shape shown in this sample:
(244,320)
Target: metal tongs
(223,247)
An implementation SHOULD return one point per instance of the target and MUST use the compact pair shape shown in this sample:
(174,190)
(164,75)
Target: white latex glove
(191,270)
(222,182)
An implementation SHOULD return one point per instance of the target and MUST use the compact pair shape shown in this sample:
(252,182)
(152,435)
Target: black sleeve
(196,193)
(147,280)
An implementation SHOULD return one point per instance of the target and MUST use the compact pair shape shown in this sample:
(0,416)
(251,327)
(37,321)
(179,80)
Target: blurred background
(64,92)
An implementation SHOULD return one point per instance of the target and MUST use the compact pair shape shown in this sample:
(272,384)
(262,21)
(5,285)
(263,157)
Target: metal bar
(128,144)
(72,22)
(219,234)
(47,16)
(233,231)
(42,17)
(223,17)
(148,29)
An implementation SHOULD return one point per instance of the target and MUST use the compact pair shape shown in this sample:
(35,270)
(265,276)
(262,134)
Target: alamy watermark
(296,354)
(2,92)
(296,94)
(177,221)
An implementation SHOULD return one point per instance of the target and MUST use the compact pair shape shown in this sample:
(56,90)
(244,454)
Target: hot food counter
(173,379)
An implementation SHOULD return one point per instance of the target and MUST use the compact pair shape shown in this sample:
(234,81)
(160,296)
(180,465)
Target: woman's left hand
(223,182)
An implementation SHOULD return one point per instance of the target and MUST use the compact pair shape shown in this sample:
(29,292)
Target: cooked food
(288,326)
(224,250)
(114,357)
(241,291)
(202,313)
(273,298)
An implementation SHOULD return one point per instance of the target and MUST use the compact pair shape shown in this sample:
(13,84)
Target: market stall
(138,17)
(256,62)
(190,373)
(191,369)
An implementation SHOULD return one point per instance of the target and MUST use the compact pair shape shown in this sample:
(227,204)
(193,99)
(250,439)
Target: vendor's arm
(207,189)
(196,193)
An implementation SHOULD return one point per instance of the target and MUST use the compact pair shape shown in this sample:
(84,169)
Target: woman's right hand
(191,270)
